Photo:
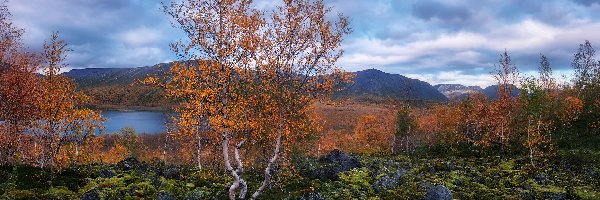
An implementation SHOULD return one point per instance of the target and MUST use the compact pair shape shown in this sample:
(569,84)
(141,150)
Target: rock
(106,173)
(129,163)
(591,173)
(164,196)
(458,182)
(541,179)
(90,195)
(554,196)
(425,186)
(327,167)
(172,173)
(439,193)
(156,182)
(336,156)
(389,181)
(312,196)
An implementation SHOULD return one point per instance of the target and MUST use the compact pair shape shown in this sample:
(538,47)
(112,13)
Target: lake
(149,122)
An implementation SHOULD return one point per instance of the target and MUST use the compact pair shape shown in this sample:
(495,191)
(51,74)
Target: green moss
(507,165)
(586,193)
(60,192)
(548,188)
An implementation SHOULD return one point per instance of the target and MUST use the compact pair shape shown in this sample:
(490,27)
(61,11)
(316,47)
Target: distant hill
(375,83)
(492,91)
(457,91)
(368,83)
(95,77)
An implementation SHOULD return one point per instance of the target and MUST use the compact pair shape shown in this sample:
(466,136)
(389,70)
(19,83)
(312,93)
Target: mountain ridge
(367,83)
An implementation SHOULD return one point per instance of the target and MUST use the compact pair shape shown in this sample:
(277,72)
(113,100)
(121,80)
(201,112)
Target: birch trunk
(267,179)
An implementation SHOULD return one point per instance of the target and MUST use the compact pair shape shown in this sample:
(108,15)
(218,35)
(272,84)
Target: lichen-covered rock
(106,173)
(388,182)
(425,186)
(90,195)
(542,179)
(554,195)
(129,163)
(164,196)
(439,193)
(312,196)
(172,173)
(327,167)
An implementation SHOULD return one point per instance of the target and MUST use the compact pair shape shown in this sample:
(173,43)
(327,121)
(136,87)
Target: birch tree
(249,77)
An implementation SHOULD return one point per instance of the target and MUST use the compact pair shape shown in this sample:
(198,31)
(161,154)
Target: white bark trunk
(238,181)
(267,178)
(198,151)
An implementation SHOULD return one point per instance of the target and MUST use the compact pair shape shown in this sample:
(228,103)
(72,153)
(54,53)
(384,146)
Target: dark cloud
(430,10)
(99,32)
(430,39)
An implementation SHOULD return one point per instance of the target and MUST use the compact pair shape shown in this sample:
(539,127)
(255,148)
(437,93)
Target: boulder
(312,196)
(90,195)
(438,193)
(106,173)
(388,182)
(328,166)
(541,179)
(129,163)
(554,195)
(172,173)
(164,196)
(425,186)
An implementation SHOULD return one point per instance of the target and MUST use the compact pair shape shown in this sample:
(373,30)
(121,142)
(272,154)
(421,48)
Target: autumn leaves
(43,124)
(248,77)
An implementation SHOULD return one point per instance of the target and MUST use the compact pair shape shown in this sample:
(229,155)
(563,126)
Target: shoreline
(129,108)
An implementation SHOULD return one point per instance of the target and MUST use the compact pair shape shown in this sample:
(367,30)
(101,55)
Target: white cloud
(141,37)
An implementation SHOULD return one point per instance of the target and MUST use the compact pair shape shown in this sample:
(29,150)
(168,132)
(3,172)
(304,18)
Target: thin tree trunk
(267,178)
(199,151)
(237,179)
(529,143)
(393,144)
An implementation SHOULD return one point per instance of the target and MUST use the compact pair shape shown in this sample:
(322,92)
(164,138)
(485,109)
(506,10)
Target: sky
(448,41)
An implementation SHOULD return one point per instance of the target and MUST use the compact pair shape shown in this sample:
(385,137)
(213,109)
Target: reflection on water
(142,121)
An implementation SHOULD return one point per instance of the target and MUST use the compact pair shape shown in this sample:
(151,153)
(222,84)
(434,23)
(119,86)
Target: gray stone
(90,195)
(172,173)
(388,182)
(164,196)
(554,196)
(329,166)
(425,186)
(542,179)
(129,163)
(312,196)
(106,173)
(439,193)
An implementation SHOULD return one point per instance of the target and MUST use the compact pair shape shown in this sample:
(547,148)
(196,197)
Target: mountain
(457,91)
(367,83)
(375,83)
(94,77)
(492,91)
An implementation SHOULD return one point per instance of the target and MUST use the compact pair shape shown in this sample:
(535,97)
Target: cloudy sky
(448,41)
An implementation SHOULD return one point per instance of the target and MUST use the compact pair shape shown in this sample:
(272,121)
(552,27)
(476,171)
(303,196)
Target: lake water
(142,121)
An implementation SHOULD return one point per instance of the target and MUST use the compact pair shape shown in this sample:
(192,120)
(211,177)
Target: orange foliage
(371,134)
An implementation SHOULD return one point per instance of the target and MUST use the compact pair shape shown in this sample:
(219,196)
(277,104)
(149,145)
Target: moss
(60,192)
(507,165)
(586,193)
(548,188)
(357,182)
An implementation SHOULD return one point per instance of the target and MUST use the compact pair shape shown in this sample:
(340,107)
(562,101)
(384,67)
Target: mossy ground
(467,177)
